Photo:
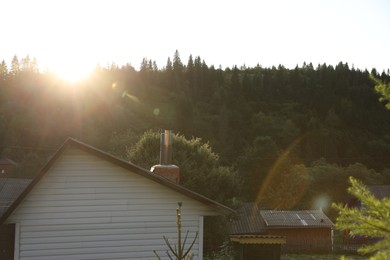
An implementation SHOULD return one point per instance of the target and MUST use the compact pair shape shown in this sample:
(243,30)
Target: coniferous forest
(315,124)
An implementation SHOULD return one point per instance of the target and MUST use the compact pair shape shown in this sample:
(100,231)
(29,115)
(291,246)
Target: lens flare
(131,97)
(286,183)
(156,111)
(322,202)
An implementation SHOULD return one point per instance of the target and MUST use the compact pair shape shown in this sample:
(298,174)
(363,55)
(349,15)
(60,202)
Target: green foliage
(322,188)
(199,165)
(321,257)
(383,89)
(284,187)
(255,162)
(372,219)
(146,151)
(121,142)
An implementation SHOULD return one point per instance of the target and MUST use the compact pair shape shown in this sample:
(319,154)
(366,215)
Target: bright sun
(72,71)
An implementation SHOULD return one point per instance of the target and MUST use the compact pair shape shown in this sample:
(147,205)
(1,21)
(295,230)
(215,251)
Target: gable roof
(248,220)
(295,218)
(70,142)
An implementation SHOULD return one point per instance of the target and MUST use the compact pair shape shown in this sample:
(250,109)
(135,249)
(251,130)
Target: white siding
(88,208)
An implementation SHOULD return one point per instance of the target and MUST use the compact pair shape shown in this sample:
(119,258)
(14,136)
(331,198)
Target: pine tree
(177,64)
(372,219)
(383,89)
(3,70)
(15,65)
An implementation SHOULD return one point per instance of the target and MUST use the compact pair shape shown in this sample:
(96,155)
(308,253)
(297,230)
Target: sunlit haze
(71,37)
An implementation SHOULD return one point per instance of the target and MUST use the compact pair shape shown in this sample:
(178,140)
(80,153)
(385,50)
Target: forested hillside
(323,118)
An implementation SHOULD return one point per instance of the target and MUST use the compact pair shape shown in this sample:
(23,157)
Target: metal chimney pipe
(166,169)
(166,147)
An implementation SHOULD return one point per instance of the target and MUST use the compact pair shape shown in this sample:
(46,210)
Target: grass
(321,257)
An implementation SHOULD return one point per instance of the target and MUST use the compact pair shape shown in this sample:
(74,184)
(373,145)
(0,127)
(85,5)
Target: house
(87,204)
(286,231)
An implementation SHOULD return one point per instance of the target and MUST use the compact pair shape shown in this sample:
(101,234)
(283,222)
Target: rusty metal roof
(295,218)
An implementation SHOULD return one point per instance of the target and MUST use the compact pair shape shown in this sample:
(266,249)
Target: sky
(72,36)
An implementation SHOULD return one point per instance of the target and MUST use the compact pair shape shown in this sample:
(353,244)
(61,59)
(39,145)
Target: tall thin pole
(178,221)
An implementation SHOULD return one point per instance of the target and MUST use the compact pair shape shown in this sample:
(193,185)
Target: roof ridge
(119,162)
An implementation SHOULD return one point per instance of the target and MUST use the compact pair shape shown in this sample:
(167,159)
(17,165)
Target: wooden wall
(305,239)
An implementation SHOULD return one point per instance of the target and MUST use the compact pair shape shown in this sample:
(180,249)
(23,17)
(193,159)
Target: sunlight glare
(322,202)
(72,72)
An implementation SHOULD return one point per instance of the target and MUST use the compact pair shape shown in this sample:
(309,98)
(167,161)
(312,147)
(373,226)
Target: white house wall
(88,208)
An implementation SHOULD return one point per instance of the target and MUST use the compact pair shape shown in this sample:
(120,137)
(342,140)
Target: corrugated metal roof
(252,221)
(248,220)
(10,189)
(295,218)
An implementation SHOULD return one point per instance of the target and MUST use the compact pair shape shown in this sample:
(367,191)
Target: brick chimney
(166,169)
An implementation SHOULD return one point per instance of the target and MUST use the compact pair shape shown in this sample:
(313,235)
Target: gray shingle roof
(248,220)
(295,218)
(10,189)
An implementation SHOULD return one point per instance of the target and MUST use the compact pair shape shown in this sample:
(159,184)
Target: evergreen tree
(383,89)
(15,65)
(25,64)
(3,70)
(177,64)
(372,219)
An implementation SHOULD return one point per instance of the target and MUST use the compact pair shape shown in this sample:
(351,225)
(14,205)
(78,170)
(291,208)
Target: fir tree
(372,219)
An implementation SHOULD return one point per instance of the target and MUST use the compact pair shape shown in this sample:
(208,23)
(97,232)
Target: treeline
(250,116)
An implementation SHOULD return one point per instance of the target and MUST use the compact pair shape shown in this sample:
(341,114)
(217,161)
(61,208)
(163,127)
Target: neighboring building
(379,191)
(87,204)
(5,165)
(305,230)
(286,231)
(10,189)
(250,236)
